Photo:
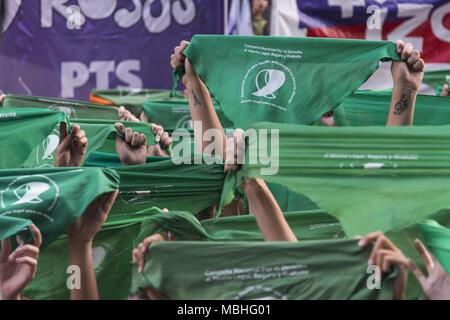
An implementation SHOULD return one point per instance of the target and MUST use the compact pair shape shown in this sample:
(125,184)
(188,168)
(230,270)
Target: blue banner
(66,48)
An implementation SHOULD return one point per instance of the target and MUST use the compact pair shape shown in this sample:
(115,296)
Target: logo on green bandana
(185,122)
(269,83)
(49,146)
(70,112)
(31,194)
(259,292)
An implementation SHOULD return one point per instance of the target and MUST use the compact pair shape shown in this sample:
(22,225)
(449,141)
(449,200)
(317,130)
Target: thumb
(64,136)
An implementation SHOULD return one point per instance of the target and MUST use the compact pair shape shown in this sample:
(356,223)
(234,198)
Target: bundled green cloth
(51,198)
(72,108)
(100,135)
(369,178)
(276,78)
(437,238)
(109,160)
(329,269)
(306,225)
(132,99)
(371,108)
(97,130)
(436,79)
(176,114)
(22,130)
(166,184)
(111,250)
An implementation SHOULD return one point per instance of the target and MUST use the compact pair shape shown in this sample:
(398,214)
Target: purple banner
(66,48)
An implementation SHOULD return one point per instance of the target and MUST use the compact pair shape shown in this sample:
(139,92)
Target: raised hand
(140,253)
(72,146)
(179,60)
(17,269)
(445,91)
(126,115)
(132,150)
(409,72)
(386,255)
(437,284)
(84,229)
(163,142)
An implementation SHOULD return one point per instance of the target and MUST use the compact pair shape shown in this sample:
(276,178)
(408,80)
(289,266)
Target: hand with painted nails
(445,91)
(125,115)
(140,253)
(437,284)
(163,142)
(408,73)
(132,150)
(386,255)
(72,146)
(17,269)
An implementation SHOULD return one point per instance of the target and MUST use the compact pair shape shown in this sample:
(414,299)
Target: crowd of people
(18,267)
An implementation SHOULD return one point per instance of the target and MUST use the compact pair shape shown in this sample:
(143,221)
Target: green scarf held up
(327,269)
(371,108)
(100,135)
(437,238)
(72,108)
(185,186)
(437,79)
(112,255)
(22,130)
(283,79)
(306,225)
(176,114)
(51,198)
(132,99)
(369,178)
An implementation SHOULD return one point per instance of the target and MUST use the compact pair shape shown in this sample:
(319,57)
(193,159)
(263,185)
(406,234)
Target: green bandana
(132,99)
(329,269)
(111,250)
(306,225)
(165,184)
(52,198)
(176,114)
(100,135)
(437,238)
(23,130)
(109,160)
(276,78)
(392,177)
(72,108)
(371,108)
(436,79)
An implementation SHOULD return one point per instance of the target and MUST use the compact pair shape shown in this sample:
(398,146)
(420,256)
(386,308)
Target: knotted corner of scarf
(177,74)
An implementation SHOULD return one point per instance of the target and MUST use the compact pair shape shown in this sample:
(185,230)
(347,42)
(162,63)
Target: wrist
(405,88)
(78,244)
(250,185)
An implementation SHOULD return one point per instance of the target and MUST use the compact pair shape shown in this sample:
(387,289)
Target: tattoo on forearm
(196,101)
(401,106)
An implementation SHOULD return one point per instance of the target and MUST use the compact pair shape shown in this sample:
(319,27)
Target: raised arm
(80,236)
(200,103)
(262,204)
(407,75)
